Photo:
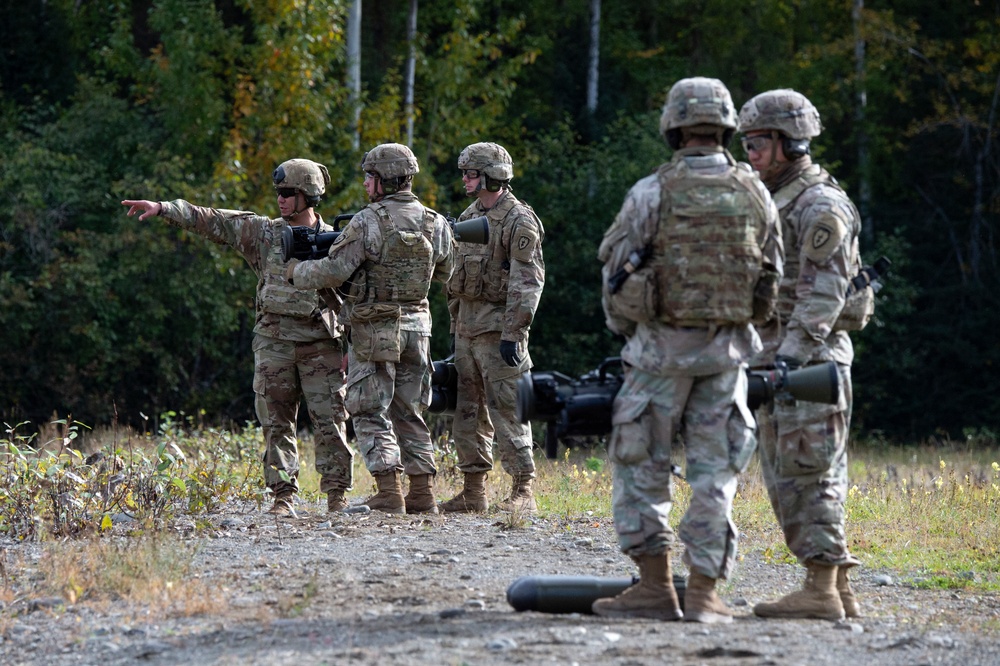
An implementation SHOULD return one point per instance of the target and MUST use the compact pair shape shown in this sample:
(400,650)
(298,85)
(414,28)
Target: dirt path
(370,589)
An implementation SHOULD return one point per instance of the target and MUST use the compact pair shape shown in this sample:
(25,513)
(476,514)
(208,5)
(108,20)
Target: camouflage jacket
(658,347)
(360,243)
(497,286)
(283,312)
(820,227)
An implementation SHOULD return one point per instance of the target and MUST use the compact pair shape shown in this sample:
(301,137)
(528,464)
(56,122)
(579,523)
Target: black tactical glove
(790,362)
(508,350)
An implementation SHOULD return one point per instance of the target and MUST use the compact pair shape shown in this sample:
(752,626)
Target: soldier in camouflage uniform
(298,346)
(492,298)
(803,446)
(385,258)
(699,243)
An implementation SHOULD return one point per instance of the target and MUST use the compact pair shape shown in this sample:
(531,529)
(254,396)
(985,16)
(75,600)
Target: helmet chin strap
(376,196)
(295,213)
(773,168)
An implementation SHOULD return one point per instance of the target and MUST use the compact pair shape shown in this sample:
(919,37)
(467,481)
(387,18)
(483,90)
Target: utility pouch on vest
(637,297)
(375,332)
(858,309)
(469,276)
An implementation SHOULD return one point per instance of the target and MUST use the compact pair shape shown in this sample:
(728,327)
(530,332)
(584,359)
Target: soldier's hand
(508,350)
(148,208)
(290,270)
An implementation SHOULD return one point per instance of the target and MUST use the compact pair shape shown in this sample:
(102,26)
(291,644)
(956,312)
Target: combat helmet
(390,160)
(306,176)
(698,105)
(492,160)
(785,111)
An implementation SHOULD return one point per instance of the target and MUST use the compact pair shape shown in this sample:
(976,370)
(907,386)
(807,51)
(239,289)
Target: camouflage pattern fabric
(803,455)
(710,415)
(360,244)
(485,409)
(492,296)
(497,286)
(296,354)
(386,402)
(386,397)
(820,227)
(654,346)
(681,381)
(285,373)
(804,446)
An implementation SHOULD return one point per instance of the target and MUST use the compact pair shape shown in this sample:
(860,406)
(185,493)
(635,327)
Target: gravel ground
(376,589)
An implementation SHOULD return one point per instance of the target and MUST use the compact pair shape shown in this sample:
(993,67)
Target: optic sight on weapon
(305,243)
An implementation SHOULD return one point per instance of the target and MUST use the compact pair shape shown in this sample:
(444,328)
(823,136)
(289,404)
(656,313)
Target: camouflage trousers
(485,409)
(711,417)
(285,372)
(386,401)
(803,458)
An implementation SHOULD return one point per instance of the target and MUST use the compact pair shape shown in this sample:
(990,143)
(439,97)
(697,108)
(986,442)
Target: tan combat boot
(335,501)
(702,604)
(847,598)
(522,499)
(472,499)
(389,498)
(284,503)
(652,597)
(420,499)
(817,599)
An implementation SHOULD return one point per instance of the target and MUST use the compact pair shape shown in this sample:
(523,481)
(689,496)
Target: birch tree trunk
(861,102)
(595,55)
(354,67)
(411,66)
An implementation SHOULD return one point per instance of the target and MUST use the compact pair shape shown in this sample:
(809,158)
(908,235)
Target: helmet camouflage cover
(390,160)
(698,101)
(786,111)
(310,178)
(490,158)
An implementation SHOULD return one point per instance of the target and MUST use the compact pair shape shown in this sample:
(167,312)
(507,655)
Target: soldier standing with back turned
(298,346)
(386,258)
(708,232)
(803,446)
(492,299)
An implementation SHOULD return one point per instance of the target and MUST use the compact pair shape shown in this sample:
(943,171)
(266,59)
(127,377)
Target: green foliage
(51,489)
(107,318)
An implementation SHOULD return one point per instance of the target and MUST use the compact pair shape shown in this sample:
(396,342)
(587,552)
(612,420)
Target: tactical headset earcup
(492,185)
(795,148)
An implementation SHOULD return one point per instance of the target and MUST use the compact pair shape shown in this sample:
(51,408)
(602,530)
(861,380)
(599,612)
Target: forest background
(111,320)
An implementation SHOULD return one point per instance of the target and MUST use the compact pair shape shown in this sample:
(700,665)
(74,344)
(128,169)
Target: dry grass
(149,574)
(931,512)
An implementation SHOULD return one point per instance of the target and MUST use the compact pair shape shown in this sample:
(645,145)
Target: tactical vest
(706,251)
(274,294)
(483,271)
(403,274)
(790,207)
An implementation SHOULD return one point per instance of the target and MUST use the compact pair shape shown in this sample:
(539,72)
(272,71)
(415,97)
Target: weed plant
(930,513)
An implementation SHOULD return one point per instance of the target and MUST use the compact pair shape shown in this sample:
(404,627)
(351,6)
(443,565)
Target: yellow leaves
(106,523)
